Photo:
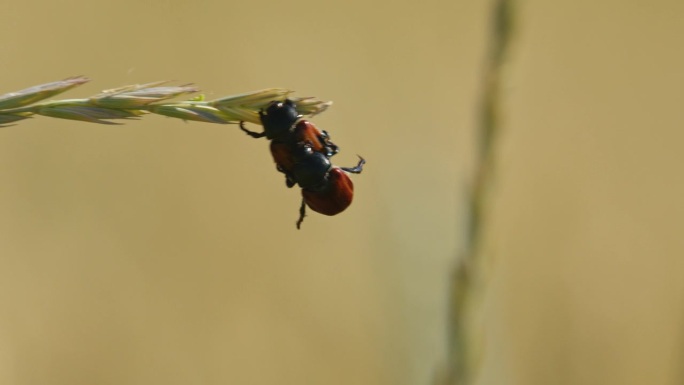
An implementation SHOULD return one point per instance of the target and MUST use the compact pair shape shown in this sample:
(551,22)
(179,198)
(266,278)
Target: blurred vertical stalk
(465,337)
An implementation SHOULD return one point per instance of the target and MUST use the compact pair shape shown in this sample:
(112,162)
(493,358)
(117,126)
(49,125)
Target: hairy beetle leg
(302,214)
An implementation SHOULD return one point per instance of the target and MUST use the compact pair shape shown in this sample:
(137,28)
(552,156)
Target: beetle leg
(302,214)
(289,179)
(358,168)
(255,135)
(330,147)
(289,182)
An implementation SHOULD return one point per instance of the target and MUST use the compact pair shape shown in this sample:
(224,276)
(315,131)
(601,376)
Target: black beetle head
(278,118)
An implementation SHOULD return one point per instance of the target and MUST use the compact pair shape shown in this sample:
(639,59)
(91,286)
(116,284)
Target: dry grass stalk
(467,281)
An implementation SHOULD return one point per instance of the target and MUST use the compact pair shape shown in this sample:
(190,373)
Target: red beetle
(302,152)
(326,189)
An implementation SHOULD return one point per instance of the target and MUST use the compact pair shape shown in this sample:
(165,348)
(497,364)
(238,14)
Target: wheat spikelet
(134,101)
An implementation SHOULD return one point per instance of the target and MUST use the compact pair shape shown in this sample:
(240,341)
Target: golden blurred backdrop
(165,252)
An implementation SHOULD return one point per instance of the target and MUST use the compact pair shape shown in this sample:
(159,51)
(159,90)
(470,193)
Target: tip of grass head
(40,92)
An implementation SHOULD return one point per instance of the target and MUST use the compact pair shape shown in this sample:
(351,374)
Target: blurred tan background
(164,252)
